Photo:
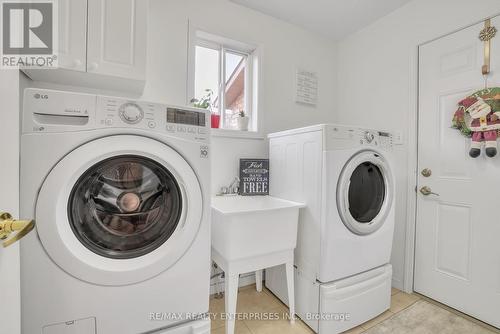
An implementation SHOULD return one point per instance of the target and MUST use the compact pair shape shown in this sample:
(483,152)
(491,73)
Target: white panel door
(457,238)
(72,22)
(10,298)
(117,33)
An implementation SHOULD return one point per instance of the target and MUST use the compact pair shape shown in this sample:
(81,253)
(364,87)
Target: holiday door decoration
(478,117)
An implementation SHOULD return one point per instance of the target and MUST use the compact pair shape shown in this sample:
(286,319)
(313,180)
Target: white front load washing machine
(119,190)
(345,177)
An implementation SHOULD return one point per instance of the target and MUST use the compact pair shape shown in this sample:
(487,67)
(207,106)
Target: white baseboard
(398,284)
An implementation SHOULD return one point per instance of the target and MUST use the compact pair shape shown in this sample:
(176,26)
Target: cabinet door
(72,34)
(117,36)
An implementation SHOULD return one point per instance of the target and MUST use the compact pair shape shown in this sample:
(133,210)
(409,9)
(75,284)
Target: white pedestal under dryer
(344,176)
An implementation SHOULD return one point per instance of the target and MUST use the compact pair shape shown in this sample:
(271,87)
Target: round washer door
(365,192)
(119,210)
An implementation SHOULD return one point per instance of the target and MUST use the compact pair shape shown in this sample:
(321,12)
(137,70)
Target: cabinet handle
(93,66)
(9,225)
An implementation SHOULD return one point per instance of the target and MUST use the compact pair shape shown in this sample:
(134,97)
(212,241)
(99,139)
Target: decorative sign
(254,177)
(306,87)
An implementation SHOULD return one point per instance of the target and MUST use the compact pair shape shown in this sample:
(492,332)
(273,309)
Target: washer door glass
(125,207)
(366,192)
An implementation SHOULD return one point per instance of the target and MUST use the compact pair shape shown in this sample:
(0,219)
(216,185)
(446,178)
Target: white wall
(375,78)
(284,49)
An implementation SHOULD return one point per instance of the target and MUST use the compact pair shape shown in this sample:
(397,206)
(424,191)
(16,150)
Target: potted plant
(243,120)
(205,102)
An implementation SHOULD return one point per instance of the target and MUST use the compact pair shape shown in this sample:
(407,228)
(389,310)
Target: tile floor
(252,302)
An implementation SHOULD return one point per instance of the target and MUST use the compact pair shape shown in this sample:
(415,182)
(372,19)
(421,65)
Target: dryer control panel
(57,111)
(340,137)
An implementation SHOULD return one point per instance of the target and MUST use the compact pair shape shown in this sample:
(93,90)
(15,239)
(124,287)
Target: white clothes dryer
(345,176)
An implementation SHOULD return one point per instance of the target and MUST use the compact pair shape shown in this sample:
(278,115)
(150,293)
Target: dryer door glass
(366,192)
(125,207)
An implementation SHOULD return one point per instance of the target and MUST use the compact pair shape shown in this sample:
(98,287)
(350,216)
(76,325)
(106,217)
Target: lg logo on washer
(41,96)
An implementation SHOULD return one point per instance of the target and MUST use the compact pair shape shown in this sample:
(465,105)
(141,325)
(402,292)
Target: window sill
(236,134)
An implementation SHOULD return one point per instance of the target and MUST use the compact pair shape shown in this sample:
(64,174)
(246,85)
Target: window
(223,80)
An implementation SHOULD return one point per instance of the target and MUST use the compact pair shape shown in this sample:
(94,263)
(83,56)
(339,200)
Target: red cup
(215,120)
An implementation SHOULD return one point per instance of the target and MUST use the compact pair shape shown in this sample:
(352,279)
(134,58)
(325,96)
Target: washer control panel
(47,110)
(191,123)
(131,113)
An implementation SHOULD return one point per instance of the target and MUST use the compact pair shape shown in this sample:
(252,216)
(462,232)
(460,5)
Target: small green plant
(205,102)
(242,113)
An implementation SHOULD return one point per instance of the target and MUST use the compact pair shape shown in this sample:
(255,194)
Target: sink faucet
(232,189)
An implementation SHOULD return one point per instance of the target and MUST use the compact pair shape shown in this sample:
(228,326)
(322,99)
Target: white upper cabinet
(102,44)
(72,34)
(116,43)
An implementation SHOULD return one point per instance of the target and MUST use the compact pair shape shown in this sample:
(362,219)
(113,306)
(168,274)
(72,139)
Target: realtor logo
(28,34)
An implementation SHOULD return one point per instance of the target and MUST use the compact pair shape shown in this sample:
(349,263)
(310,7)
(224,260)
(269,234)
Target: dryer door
(365,192)
(119,210)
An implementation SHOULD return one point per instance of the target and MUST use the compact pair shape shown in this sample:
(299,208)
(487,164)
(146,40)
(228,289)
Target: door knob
(426,191)
(426,172)
(9,225)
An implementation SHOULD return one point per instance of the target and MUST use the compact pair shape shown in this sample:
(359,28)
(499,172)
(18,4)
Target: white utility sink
(246,226)
(251,234)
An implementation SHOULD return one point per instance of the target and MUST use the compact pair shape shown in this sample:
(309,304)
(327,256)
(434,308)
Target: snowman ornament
(478,117)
